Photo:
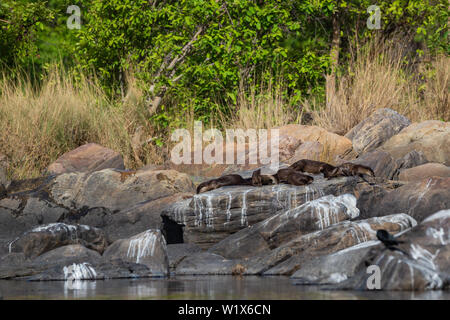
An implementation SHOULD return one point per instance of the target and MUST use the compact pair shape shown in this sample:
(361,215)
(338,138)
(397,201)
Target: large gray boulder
(115,190)
(147,248)
(48,237)
(423,264)
(178,251)
(289,257)
(271,233)
(129,221)
(120,203)
(70,263)
(16,265)
(212,216)
(206,263)
(333,268)
(373,131)
(418,199)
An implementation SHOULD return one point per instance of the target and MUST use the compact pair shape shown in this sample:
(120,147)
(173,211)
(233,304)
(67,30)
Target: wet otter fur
(315,167)
(259,179)
(227,180)
(291,176)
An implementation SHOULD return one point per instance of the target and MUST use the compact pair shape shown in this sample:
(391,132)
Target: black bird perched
(389,241)
(387,238)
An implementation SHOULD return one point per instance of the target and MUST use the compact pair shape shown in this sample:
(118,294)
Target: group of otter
(292,175)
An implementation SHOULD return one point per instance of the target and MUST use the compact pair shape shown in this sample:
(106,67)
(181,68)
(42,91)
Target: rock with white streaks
(271,233)
(147,248)
(423,264)
(212,216)
(50,236)
(70,263)
(287,258)
(333,268)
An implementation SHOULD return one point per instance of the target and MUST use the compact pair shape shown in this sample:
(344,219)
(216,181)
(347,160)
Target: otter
(227,180)
(291,176)
(259,180)
(315,167)
(352,169)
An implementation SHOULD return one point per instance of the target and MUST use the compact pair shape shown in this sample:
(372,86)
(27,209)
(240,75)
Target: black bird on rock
(387,238)
(389,241)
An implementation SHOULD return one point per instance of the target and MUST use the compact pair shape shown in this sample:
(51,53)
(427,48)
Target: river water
(193,287)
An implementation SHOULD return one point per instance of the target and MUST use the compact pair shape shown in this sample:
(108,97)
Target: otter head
(256,178)
(371,173)
(336,172)
(206,186)
(309,179)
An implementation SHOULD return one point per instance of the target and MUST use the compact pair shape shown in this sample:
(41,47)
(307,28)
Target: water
(194,287)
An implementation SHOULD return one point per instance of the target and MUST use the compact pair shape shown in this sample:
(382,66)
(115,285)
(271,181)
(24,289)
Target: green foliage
(254,42)
(20,21)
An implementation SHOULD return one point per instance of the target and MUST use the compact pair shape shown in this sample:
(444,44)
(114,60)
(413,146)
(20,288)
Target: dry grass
(263,109)
(378,78)
(40,125)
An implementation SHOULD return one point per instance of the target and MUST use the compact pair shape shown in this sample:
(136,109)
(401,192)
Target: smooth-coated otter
(291,176)
(259,179)
(314,167)
(227,180)
(352,169)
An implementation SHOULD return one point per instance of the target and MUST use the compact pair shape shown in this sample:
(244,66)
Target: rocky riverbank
(89,218)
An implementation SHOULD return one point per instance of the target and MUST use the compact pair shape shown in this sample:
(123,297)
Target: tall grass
(378,77)
(39,125)
(262,108)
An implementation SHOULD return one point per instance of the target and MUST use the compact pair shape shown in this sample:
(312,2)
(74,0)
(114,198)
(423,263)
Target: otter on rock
(227,180)
(290,176)
(315,167)
(352,169)
(259,179)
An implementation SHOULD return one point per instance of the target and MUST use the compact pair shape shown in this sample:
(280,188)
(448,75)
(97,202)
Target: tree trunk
(334,55)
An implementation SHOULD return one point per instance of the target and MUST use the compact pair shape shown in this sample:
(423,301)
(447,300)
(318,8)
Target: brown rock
(418,199)
(88,157)
(113,190)
(427,170)
(372,132)
(312,150)
(430,137)
(332,143)
(385,166)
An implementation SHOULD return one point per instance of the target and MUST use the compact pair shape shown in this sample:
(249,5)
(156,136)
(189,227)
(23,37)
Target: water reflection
(190,287)
(78,289)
